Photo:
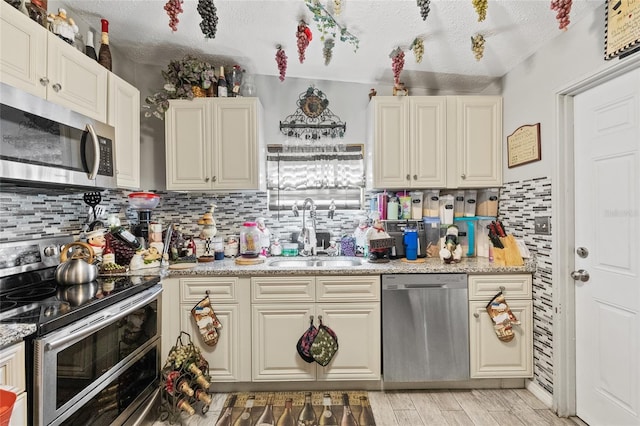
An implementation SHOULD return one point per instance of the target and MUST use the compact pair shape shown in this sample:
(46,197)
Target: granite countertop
(228,267)
(12,333)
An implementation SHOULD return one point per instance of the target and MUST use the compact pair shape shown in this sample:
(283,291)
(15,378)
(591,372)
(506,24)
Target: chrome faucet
(307,236)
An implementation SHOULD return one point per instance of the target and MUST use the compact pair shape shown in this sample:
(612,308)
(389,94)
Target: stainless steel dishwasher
(425,327)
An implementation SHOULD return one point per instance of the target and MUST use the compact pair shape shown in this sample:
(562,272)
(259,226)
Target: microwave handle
(96,152)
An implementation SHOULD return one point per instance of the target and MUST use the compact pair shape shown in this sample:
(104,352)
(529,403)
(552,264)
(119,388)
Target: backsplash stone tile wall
(33,213)
(520,203)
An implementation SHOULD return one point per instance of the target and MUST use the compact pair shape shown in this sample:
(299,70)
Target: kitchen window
(325,173)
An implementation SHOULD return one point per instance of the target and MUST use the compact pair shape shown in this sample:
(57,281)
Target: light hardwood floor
(495,407)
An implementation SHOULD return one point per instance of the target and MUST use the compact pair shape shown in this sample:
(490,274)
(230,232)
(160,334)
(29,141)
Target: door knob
(57,87)
(580,275)
(44,81)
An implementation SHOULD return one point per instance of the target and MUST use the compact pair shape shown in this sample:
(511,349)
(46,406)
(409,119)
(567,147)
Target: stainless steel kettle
(79,268)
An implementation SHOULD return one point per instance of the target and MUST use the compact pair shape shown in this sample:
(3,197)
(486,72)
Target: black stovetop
(51,306)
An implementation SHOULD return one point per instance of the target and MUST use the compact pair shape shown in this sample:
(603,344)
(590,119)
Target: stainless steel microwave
(42,143)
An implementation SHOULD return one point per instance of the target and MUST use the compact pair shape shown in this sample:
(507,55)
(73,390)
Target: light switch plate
(543,225)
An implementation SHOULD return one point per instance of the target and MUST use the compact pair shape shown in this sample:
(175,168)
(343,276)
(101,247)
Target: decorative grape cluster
(337,7)
(481,7)
(418,49)
(173,9)
(281,59)
(327,50)
(209,24)
(424,8)
(122,250)
(303,36)
(477,45)
(563,7)
(179,354)
(397,64)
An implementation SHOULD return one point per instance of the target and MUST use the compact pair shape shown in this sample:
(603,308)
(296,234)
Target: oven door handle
(81,334)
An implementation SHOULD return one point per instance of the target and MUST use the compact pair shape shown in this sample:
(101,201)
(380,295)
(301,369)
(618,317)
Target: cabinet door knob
(206,179)
(477,315)
(408,177)
(44,81)
(502,288)
(215,178)
(463,176)
(57,87)
(415,177)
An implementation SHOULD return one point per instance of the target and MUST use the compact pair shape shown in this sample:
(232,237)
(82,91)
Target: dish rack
(185,381)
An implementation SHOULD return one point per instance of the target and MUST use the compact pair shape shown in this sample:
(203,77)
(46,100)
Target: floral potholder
(304,343)
(325,345)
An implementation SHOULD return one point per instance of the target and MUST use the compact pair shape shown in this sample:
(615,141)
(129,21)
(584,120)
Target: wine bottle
(104,54)
(327,418)
(108,255)
(366,415)
(184,405)
(222,84)
(203,396)
(245,417)
(286,418)
(347,416)
(266,418)
(307,416)
(225,419)
(89,50)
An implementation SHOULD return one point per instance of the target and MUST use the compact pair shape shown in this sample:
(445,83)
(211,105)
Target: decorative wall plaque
(523,145)
(622,28)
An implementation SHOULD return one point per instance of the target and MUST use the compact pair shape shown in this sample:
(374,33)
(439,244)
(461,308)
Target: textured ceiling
(249,31)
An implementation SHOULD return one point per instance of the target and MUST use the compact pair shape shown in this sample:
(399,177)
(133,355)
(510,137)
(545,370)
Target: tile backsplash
(27,213)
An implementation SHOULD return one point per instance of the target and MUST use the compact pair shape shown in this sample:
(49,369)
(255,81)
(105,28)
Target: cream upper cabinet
(124,116)
(282,308)
(40,63)
(474,156)
(435,141)
(489,356)
(213,144)
(409,141)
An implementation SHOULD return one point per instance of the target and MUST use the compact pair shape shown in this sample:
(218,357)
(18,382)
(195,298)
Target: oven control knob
(51,251)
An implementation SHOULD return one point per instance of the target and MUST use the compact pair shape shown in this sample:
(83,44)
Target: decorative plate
(312,106)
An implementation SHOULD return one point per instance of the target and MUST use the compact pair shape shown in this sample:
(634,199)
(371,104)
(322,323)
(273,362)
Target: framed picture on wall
(622,28)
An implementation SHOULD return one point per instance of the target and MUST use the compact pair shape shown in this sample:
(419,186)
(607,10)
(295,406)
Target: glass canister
(250,240)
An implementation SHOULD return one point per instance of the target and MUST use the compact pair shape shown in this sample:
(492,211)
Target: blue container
(411,243)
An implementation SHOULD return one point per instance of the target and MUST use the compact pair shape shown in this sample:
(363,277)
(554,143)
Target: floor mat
(258,408)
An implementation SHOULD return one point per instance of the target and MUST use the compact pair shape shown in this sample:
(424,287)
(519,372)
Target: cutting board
(249,260)
(182,265)
(419,260)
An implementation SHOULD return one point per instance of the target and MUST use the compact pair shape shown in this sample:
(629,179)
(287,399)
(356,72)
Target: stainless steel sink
(339,263)
(314,263)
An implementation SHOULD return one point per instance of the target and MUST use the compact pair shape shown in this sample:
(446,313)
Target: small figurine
(332,209)
(64,28)
(97,241)
(377,232)
(451,251)
(265,237)
(208,223)
(372,93)
(294,209)
(360,234)
(332,250)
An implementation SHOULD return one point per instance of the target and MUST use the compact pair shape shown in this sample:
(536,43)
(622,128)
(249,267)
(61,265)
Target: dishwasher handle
(421,286)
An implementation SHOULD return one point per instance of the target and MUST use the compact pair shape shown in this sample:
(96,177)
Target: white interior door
(607,225)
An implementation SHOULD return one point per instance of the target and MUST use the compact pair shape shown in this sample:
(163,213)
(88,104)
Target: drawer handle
(477,315)
(502,288)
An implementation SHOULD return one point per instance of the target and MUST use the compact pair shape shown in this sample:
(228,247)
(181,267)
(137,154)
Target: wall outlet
(543,225)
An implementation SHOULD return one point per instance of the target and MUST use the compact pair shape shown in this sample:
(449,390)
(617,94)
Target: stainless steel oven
(92,360)
(42,143)
(91,371)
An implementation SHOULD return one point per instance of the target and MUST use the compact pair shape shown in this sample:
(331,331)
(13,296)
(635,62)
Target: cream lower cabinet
(230,359)
(12,378)
(489,356)
(213,144)
(281,311)
(38,62)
